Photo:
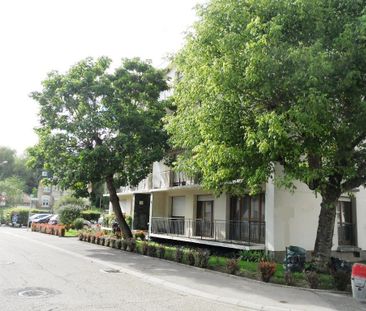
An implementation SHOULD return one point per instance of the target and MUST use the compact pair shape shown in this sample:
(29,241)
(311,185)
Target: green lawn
(72,233)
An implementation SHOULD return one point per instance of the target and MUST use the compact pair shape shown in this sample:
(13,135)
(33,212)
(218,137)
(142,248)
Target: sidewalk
(250,294)
(215,286)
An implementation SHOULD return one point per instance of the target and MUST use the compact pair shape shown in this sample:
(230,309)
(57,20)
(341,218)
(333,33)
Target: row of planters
(251,264)
(58,230)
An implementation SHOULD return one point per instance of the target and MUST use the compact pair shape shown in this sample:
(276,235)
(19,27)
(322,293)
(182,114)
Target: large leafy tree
(276,81)
(99,125)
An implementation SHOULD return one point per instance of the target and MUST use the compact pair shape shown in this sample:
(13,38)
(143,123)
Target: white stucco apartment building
(174,207)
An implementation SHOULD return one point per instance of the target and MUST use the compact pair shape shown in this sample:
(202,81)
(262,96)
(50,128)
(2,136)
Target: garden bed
(202,258)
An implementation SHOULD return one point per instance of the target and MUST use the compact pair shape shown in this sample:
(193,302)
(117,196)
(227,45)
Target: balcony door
(204,219)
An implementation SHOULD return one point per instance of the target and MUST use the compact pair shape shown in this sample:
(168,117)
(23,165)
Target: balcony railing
(144,185)
(218,230)
(171,178)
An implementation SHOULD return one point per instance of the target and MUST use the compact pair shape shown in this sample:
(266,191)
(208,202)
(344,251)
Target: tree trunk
(324,236)
(113,198)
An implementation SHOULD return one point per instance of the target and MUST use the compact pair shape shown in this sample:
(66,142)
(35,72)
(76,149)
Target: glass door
(204,219)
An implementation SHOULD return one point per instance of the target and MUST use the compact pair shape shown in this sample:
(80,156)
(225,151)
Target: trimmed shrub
(68,214)
(139,235)
(151,249)
(312,278)
(289,278)
(252,256)
(267,269)
(124,244)
(118,244)
(179,254)
(91,215)
(190,257)
(144,248)
(112,242)
(160,251)
(131,245)
(78,223)
(106,241)
(341,279)
(201,258)
(232,265)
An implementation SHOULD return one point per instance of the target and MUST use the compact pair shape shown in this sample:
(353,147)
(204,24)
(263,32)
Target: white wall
(361,217)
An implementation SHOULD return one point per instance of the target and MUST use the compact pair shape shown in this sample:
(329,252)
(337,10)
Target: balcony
(225,231)
(143,186)
(170,178)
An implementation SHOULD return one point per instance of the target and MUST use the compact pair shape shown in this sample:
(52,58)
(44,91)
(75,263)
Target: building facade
(174,207)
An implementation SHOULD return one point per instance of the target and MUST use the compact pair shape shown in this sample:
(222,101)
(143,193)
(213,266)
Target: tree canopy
(275,81)
(99,125)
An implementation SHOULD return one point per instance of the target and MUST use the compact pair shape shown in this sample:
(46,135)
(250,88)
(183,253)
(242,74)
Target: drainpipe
(150,214)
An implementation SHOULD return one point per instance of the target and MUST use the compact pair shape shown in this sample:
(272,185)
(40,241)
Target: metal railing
(217,230)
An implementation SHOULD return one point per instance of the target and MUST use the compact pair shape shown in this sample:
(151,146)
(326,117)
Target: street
(36,276)
(42,273)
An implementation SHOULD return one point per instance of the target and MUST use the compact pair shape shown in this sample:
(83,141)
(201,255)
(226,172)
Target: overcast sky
(38,36)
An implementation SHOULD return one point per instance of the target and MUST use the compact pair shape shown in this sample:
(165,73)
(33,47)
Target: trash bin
(294,259)
(358,282)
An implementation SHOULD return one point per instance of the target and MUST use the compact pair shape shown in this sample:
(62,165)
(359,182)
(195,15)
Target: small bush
(151,249)
(267,269)
(179,254)
(232,265)
(139,235)
(190,257)
(80,236)
(92,239)
(289,278)
(118,244)
(106,241)
(144,248)
(341,279)
(124,244)
(312,278)
(131,244)
(68,214)
(201,258)
(160,251)
(91,215)
(112,242)
(78,223)
(252,256)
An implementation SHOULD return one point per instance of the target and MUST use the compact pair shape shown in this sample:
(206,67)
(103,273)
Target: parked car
(42,220)
(54,220)
(36,216)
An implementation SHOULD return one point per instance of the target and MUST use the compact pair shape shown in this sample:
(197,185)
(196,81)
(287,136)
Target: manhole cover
(111,271)
(283,301)
(35,292)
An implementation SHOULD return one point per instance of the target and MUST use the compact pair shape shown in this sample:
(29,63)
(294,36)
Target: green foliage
(78,223)
(91,215)
(312,277)
(90,116)
(252,256)
(341,279)
(22,213)
(68,214)
(12,187)
(232,265)
(68,200)
(271,82)
(13,166)
(201,258)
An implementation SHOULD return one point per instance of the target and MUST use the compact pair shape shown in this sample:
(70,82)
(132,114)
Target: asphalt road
(44,273)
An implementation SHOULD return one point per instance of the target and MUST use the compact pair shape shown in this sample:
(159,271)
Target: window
(45,201)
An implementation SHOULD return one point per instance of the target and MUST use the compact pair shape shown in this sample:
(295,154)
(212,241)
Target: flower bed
(260,267)
(58,230)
